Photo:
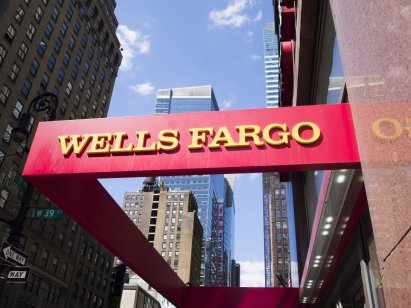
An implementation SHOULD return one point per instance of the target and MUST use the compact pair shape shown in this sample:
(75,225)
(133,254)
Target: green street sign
(48,213)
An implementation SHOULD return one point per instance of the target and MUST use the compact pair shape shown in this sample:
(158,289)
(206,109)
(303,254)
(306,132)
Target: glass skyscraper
(275,218)
(271,66)
(213,193)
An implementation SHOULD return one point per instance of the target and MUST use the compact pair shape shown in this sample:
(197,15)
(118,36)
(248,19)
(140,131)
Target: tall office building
(210,190)
(169,221)
(276,246)
(70,48)
(271,66)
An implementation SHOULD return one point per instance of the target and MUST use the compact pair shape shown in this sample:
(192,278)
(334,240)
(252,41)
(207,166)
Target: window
(77,27)
(14,71)
(69,13)
(23,51)
(49,30)
(81,13)
(81,84)
(3,53)
(93,79)
(74,71)
(55,13)
(97,64)
(79,55)
(72,42)
(84,111)
(88,26)
(4,195)
(86,68)
(57,45)
(64,269)
(42,48)
(25,90)
(69,88)
(51,62)
(90,53)
(66,59)
(19,14)
(33,252)
(2,155)
(77,100)
(11,32)
(34,67)
(103,75)
(44,258)
(54,264)
(60,76)
(38,14)
(4,94)
(63,28)
(84,40)
(45,80)
(45,2)
(31,31)
(88,95)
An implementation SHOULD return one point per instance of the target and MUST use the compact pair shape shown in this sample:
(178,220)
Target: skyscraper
(210,190)
(271,66)
(276,247)
(169,221)
(70,48)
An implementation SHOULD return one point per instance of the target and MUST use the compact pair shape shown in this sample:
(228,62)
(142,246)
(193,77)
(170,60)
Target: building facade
(275,218)
(209,190)
(69,48)
(352,225)
(169,221)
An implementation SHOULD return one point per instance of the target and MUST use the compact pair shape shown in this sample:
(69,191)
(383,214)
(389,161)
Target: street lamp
(44,102)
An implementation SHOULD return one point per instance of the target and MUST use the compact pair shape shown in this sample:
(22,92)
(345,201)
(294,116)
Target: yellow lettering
(118,145)
(222,137)
(74,144)
(99,144)
(283,134)
(249,132)
(167,140)
(376,128)
(142,137)
(199,135)
(296,132)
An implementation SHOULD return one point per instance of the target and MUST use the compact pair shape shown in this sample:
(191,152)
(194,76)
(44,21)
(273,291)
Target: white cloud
(143,89)
(248,36)
(234,15)
(252,273)
(255,57)
(227,104)
(259,16)
(132,42)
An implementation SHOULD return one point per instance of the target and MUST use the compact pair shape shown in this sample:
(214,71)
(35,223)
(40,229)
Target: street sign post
(19,274)
(13,255)
(48,213)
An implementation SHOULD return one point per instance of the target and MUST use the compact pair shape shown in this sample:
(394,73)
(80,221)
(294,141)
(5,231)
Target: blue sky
(189,43)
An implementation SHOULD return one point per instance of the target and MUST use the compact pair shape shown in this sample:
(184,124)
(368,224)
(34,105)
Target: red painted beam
(241,297)
(71,181)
